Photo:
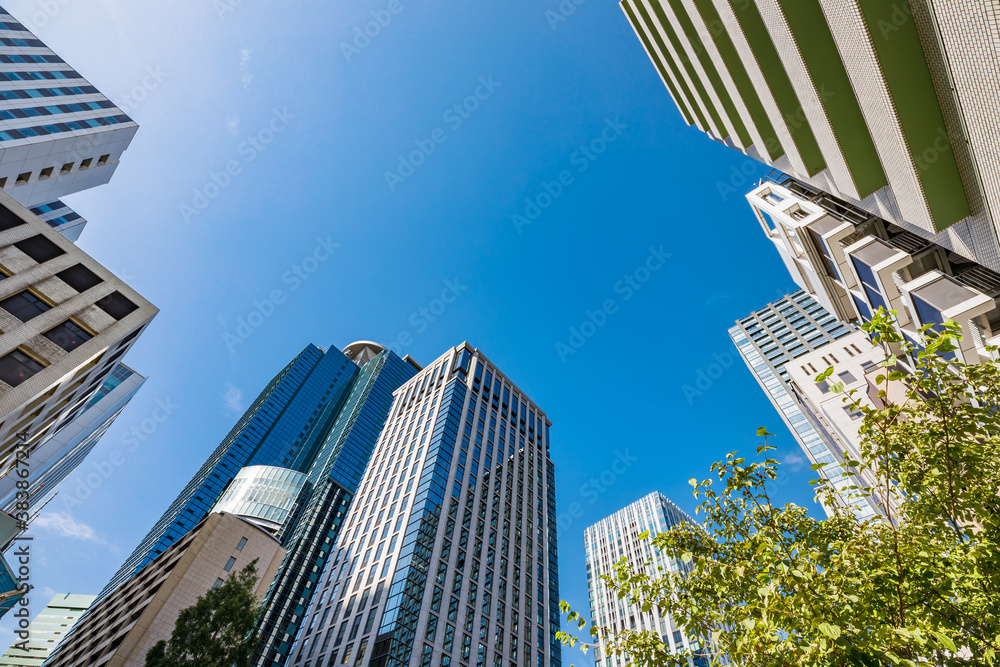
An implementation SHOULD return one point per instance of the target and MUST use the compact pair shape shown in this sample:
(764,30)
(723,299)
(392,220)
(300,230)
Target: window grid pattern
(617,537)
(767,339)
(448,554)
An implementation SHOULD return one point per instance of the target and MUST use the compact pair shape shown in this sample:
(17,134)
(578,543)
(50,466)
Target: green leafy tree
(773,586)
(219,630)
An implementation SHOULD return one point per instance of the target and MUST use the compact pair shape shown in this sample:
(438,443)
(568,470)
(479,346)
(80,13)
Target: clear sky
(262,138)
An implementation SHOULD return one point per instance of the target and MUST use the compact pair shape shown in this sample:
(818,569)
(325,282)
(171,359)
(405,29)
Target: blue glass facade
(447,556)
(271,432)
(335,459)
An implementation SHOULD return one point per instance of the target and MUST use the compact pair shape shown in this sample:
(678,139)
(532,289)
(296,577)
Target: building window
(85,164)
(23,178)
(66,168)
(8,219)
(869,284)
(24,306)
(846,377)
(104,158)
(218,582)
(243,543)
(229,564)
(68,336)
(45,173)
(116,305)
(39,248)
(79,278)
(17,367)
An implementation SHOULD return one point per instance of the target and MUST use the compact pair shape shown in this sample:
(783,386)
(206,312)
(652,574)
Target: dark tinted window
(24,306)
(79,278)
(39,248)
(116,305)
(17,367)
(68,336)
(8,220)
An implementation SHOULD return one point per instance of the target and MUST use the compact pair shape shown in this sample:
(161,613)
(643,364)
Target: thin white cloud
(795,461)
(66,526)
(245,74)
(232,400)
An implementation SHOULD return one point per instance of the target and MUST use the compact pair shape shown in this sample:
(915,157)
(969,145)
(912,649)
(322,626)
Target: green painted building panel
(644,19)
(772,148)
(685,59)
(714,80)
(630,13)
(826,69)
(779,84)
(904,66)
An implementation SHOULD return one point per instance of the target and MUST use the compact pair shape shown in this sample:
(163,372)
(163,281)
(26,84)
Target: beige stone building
(123,627)
(65,321)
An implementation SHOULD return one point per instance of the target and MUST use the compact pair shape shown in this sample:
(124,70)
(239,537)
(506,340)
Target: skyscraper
(335,457)
(771,339)
(448,552)
(854,263)
(59,134)
(887,105)
(67,322)
(46,631)
(271,432)
(63,451)
(616,537)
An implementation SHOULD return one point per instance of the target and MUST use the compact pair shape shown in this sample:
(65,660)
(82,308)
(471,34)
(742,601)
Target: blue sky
(265,144)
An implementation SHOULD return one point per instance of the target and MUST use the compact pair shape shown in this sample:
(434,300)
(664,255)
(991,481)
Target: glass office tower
(271,432)
(448,552)
(767,340)
(335,457)
(617,537)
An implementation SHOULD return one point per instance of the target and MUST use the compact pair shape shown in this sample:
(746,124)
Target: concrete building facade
(886,105)
(66,320)
(854,263)
(119,630)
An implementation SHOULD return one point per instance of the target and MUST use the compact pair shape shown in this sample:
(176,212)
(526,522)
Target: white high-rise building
(47,630)
(447,554)
(617,537)
(58,133)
